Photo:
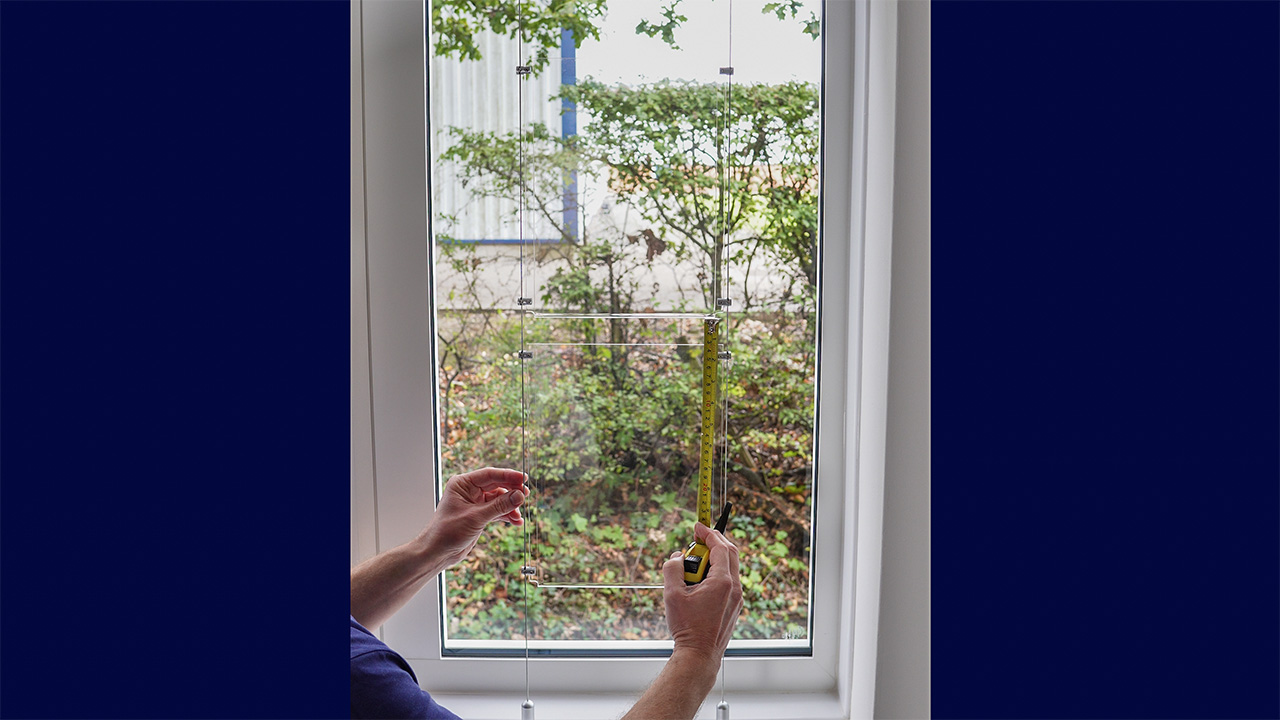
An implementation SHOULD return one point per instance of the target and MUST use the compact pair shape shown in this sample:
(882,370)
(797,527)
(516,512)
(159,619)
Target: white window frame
(394,458)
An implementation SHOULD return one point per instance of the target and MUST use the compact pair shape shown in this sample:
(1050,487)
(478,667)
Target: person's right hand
(701,617)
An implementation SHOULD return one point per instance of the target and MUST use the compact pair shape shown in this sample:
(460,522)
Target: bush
(612,447)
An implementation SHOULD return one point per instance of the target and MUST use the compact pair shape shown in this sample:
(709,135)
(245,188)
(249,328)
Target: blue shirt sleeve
(383,685)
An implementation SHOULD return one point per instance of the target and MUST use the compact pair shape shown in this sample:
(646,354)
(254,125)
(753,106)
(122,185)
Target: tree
(725,176)
(717,177)
(710,188)
(672,20)
(592,275)
(455,24)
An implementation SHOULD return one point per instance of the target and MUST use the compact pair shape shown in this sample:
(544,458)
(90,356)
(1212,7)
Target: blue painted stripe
(568,77)
(569,128)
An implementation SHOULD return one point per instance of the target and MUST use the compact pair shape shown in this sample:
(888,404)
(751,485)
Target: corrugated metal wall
(483,95)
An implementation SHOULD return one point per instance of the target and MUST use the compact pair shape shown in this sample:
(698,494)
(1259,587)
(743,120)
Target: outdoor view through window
(652,165)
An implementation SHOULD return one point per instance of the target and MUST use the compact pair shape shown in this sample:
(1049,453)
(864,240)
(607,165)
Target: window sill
(580,706)
(563,677)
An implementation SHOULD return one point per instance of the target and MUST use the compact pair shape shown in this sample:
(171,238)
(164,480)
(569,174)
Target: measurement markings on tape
(710,364)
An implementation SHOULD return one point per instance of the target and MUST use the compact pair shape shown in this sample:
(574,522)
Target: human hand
(469,503)
(701,617)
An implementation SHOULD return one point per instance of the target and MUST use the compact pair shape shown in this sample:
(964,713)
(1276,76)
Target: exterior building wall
(485,96)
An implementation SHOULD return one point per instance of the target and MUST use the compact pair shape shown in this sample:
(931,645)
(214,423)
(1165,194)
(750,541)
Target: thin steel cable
(524,407)
(728,280)
(727,275)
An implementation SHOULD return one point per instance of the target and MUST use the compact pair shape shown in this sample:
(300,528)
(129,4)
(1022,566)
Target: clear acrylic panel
(614,413)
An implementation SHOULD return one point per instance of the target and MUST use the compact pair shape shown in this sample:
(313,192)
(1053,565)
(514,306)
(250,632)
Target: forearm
(679,689)
(382,584)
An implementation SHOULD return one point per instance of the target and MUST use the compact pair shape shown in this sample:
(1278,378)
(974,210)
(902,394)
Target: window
(392,491)
(587,216)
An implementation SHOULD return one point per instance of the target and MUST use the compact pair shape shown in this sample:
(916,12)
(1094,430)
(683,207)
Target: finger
(718,562)
(673,574)
(722,554)
(488,495)
(514,517)
(500,505)
(492,478)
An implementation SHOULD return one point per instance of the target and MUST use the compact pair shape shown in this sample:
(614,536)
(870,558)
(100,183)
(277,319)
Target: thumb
(503,504)
(673,572)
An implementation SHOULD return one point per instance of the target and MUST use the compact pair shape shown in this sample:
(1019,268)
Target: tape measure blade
(710,359)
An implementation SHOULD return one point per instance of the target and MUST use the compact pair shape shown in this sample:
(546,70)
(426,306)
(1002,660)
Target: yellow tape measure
(695,556)
(710,364)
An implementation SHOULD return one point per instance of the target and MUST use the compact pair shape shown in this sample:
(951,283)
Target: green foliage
(726,176)
(455,24)
(528,167)
(791,8)
(667,29)
(718,179)
(615,492)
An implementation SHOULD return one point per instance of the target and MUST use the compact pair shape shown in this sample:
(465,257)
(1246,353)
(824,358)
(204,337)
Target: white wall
(363,524)
(902,667)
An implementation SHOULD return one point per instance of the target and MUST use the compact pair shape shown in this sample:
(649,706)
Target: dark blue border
(174,407)
(1105,535)
(173,386)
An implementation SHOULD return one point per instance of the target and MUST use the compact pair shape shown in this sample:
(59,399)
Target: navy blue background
(1105,204)
(173,301)
(174,248)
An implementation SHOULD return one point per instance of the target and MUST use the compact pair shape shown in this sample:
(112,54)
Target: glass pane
(629,175)
(770,427)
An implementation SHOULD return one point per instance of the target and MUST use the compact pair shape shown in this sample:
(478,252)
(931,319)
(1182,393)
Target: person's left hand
(469,503)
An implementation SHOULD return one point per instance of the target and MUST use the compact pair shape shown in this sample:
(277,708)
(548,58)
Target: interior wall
(363,494)
(902,663)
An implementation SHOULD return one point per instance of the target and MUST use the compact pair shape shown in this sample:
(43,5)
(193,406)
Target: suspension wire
(728,281)
(523,356)
(725,180)
(721,270)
